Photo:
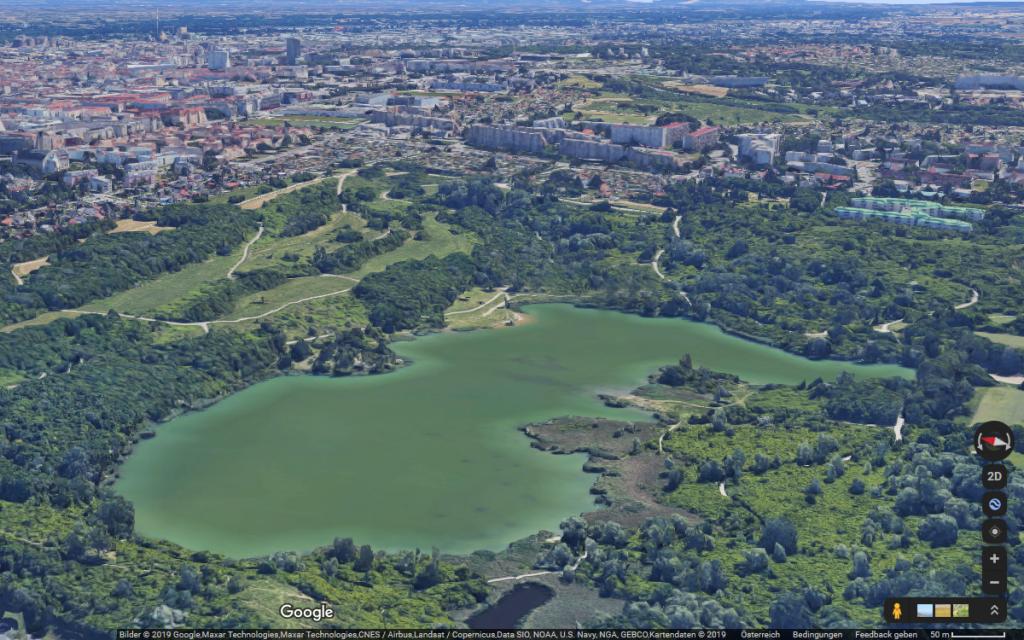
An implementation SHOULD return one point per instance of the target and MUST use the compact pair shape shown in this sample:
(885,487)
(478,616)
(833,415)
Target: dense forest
(64,433)
(792,276)
(219,297)
(302,210)
(415,293)
(353,256)
(41,244)
(792,510)
(107,263)
(800,280)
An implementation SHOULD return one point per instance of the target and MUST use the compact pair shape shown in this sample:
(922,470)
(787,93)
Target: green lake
(427,456)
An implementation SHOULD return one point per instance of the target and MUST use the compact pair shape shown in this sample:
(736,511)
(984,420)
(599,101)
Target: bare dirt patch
(149,226)
(699,89)
(22,269)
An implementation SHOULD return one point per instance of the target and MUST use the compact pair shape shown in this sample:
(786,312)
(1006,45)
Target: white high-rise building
(219,59)
(759,147)
(293,50)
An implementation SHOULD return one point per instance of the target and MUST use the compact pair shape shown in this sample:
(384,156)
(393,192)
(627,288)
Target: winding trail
(973,301)
(21,270)
(657,257)
(205,325)
(522,576)
(885,326)
(70,364)
(257,201)
(310,338)
(574,566)
(339,275)
(661,438)
(341,182)
(280,308)
(245,252)
(654,264)
(675,230)
(480,306)
(503,305)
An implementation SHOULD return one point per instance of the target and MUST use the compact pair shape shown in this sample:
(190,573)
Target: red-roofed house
(676,132)
(185,116)
(701,138)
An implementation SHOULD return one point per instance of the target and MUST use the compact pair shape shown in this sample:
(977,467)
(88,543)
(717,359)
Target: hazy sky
(918,1)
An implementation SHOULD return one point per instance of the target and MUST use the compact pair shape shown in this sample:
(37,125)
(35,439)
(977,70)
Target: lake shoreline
(665,355)
(725,329)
